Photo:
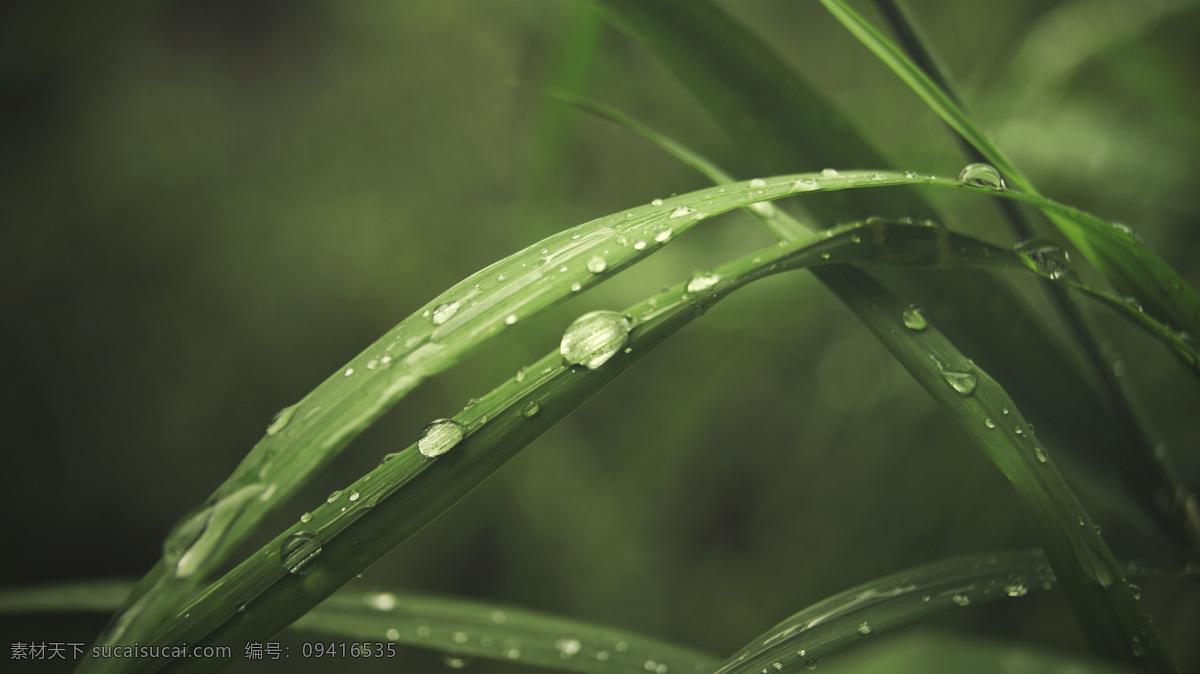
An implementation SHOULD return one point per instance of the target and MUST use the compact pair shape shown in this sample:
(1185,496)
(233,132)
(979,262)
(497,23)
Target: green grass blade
(1126,262)
(359,524)
(468,628)
(1113,622)
(779,119)
(889,602)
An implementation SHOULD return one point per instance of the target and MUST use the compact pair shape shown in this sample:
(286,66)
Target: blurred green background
(208,207)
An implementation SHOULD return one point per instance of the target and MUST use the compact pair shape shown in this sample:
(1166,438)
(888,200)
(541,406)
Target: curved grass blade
(357,525)
(889,602)
(781,121)
(1113,622)
(468,628)
(1125,262)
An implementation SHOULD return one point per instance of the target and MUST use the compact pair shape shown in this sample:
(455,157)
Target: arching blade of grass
(469,628)
(889,602)
(1126,262)
(778,118)
(1113,622)
(357,525)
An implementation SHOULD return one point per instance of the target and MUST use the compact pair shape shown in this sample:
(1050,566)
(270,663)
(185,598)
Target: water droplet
(854,238)
(825,255)
(702,280)
(594,338)
(961,599)
(281,419)
(758,182)
(424,631)
(1040,453)
(439,437)
(1016,587)
(829,173)
(602,656)
(353,495)
(334,496)
(512,653)
(804,185)
(914,319)
(382,601)
(981,175)
(864,628)
(567,646)
(510,319)
(1004,410)
(656,202)
(1044,258)
(989,423)
(298,551)
(388,457)
(662,236)
(460,637)
(597,264)
(962,382)
(455,661)
(910,174)
(499,617)
(444,312)
(640,245)
(680,212)
(1136,591)
(306,518)
(531,409)
(349,371)
(576,287)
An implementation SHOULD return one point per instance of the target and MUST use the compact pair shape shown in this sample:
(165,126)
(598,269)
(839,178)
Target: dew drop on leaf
(656,202)
(281,419)
(680,212)
(829,173)
(439,437)
(597,264)
(864,628)
(702,280)
(299,551)
(961,600)
(914,319)
(1044,258)
(531,409)
(334,496)
(963,383)
(594,338)
(981,175)
(444,312)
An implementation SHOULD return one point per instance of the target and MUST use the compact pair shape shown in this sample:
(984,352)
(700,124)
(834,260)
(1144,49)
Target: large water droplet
(680,212)
(444,312)
(298,551)
(829,173)
(594,338)
(914,319)
(281,419)
(981,175)
(439,437)
(656,202)
(597,264)
(185,534)
(1044,258)
(702,280)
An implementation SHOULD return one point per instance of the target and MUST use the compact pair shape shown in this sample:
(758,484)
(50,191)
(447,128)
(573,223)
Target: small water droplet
(989,423)
(531,409)
(510,319)
(680,212)
(656,202)
(825,255)
(1040,454)
(334,496)
(1004,410)
(963,383)
(445,311)
(829,173)
(981,175)
(597,264)
(382,601)
(353,495)
(1136,590)
(961,599)
(864,628)
(1015,587)
(592,339)
(499,617)
(804,185)
(567,646)
(758,182)
(349,371)
(1044,258)
(388,457)
(460,637)
(512,653)
(662,236)
(455,661)
(439,437)
(298,551)
(910,174)
(576,287)
(702,280)
(914,319)
(640,245)
(281,419)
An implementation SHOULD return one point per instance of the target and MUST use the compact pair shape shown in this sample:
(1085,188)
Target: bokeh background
(208,207)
